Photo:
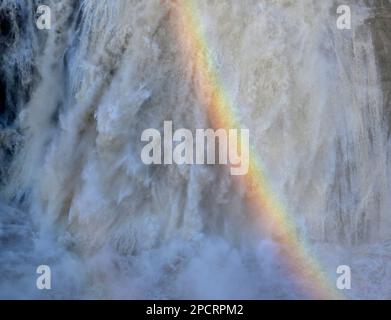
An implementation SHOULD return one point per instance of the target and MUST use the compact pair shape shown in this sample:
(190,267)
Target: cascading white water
(78,198)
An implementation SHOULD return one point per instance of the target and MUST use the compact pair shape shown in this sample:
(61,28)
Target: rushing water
(76,196)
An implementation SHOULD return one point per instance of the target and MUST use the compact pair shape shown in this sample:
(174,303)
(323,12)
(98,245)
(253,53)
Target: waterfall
(76,196)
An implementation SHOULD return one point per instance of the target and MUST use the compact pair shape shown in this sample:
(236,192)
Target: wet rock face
(13,24)
(3,97)
(10,19)
(16,58)
(13,35)
(5,35)
(381,33)
(5,26)
(10,140)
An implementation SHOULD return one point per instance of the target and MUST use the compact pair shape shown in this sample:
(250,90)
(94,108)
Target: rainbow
(312,280)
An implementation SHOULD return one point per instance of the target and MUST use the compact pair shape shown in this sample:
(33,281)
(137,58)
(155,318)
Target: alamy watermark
(44,281)
(345,278)
(226,147)
(344,20)
(44,17)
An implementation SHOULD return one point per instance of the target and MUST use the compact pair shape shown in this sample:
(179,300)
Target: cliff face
(16,68)
(380,25)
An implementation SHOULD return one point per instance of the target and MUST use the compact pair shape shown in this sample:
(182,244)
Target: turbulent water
(76,196)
